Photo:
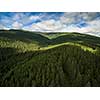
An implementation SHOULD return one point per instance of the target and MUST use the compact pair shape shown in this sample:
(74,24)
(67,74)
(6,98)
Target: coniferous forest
(60,59)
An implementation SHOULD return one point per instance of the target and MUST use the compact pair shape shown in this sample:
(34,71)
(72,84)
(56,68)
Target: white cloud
(17,25)
(18,16)
(67,18)
(3,27)
(46,26)
(34,17)
(47,23)
(65,24)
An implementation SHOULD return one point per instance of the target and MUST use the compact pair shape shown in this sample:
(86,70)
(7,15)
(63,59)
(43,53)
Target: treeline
(61,66)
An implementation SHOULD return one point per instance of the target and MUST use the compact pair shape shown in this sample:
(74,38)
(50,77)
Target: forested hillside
(49,59)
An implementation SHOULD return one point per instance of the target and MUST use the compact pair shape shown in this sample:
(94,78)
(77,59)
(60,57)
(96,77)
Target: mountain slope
(55,62)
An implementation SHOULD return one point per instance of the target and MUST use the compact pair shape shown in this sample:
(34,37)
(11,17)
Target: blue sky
(84,22)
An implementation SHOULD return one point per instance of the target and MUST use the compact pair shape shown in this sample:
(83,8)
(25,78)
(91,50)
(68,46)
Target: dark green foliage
(66,65)
(61,66)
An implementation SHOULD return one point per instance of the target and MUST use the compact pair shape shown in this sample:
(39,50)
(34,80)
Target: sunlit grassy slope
(31,41)
(49,59)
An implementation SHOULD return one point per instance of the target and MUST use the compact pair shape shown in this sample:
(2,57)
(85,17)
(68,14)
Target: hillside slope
(71,59)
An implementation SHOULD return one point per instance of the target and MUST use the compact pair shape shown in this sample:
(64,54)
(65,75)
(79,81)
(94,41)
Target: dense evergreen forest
(49,59)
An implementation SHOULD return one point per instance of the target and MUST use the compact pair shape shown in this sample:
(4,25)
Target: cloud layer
(83,22)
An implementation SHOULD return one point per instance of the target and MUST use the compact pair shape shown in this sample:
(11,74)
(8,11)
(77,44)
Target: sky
(83,22)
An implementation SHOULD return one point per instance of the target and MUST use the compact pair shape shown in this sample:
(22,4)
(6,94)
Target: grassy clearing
(70,43)
(36,47)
